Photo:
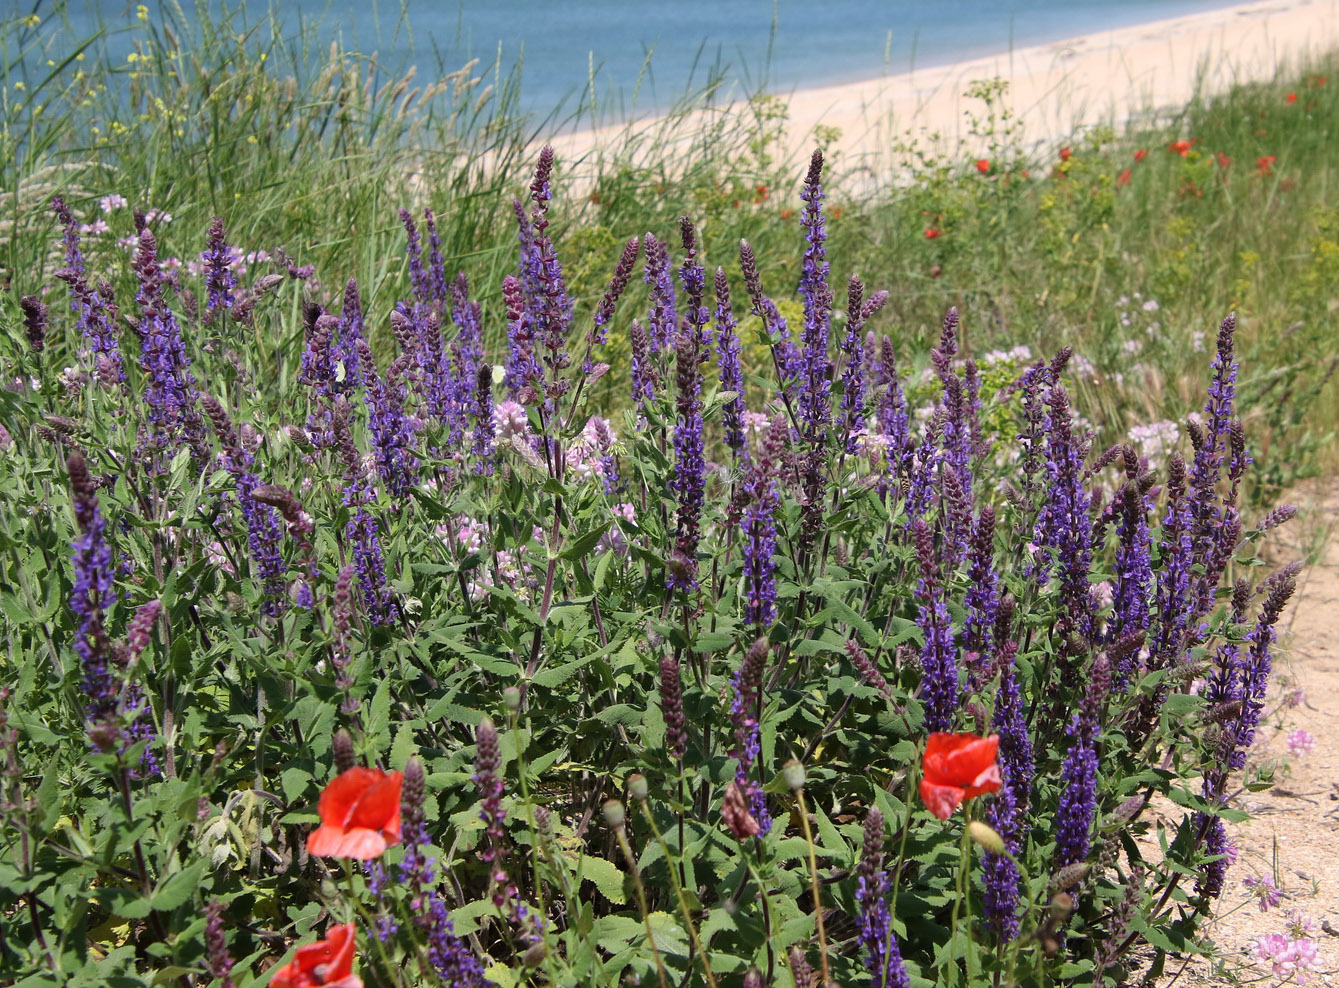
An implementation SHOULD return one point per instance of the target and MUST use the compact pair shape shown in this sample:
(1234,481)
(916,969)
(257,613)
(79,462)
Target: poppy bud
(637,787)
(986,837)
(793,773)
(614,814)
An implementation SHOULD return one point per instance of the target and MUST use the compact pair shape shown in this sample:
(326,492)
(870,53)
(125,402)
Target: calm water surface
(636,56)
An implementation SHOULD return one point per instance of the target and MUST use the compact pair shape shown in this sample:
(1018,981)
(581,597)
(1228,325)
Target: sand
(1054,90)
(1293,834)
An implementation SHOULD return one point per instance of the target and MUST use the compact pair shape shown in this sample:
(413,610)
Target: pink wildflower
(1300,743)
(1264,889)
(1288,958)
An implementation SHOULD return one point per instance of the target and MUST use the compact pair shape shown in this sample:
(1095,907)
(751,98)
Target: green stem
(813,885)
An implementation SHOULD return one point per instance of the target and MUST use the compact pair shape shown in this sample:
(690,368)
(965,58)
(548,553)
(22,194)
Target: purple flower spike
(941,688)
(599,334)
(745,708)
(170,386)
(662,320)
(883,957)
(689,465)
(448,954)
(418,277)
(220,282)
(731,370)
(671,707)
(815,402)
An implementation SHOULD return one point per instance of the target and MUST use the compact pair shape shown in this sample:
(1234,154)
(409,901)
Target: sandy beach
(1110,77)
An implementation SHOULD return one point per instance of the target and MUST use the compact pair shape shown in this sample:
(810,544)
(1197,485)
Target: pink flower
(1264,889)
(1300,743)
(1288,958)
(95,228)
(112,202)
(1299,924)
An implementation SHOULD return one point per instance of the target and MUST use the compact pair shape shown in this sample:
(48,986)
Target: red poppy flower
(1066,153)
(1292,97)
(958,767)
(1180,147)
(1266,164)
(983,165)
(759,193)
(1123,178)
(1321,80)
(1140,155)
(1223,159)
(327,962)
(787,213)
(360,815)
(931,232)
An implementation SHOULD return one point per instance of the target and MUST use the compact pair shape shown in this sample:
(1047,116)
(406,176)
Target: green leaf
(179,887)
(605,876)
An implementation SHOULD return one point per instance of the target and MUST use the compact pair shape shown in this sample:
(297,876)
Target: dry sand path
(1293,834)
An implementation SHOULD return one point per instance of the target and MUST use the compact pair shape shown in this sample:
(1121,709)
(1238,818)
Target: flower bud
(986,836)
(614,814)
(511,696)
(793,773)
(637,787)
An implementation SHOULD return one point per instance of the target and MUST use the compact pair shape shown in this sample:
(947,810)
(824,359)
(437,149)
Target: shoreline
(1055,90)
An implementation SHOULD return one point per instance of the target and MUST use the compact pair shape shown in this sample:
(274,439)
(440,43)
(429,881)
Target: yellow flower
(32,20)
(19,85)
(142,12)
(252,139)
(133,57)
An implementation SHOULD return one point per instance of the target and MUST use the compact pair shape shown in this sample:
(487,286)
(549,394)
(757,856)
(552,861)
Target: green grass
(296,148)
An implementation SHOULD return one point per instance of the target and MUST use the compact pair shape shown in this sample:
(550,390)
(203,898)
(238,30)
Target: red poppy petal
(379,804)
(288,976)
(362,844)
(988,781)
(340,797)
(342,942)
(323,842)
(940,800)
(971,758)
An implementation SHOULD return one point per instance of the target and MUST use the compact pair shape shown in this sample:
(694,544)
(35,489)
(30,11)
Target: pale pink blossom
(1300,743)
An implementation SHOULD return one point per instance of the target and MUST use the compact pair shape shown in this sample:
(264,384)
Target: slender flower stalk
(1077,810)
(35,320)
(689,465)
(220,282)
(671,707)
(169,386)
(263,524)
(662,319)
(941,687)
(815,398)
(449,956)
(731,370)
(878,944)
(604,312)
(759,523)
(745,707)
(392,437)
(362,529)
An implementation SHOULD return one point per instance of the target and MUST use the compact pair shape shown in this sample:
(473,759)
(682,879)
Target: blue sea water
(633,57)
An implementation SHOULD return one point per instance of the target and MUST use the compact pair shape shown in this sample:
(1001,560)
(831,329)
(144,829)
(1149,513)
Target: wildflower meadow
(664,609)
